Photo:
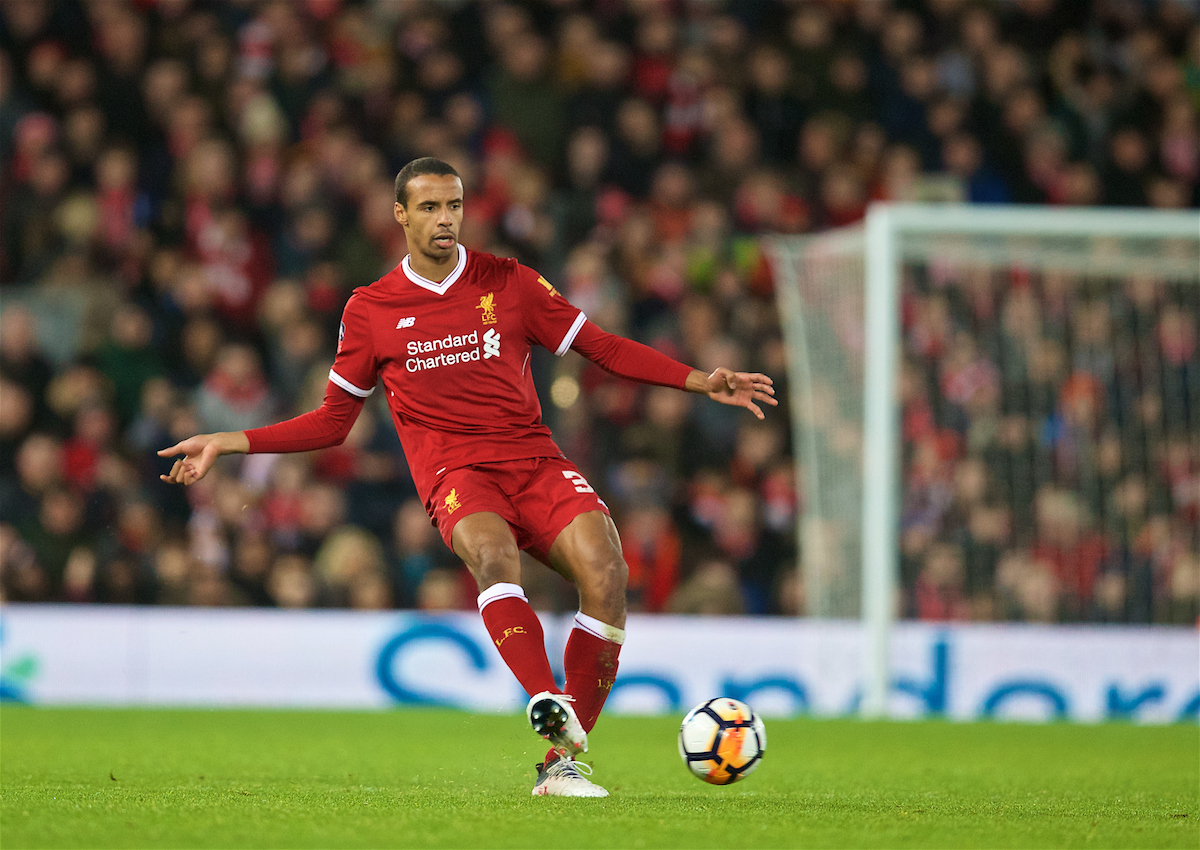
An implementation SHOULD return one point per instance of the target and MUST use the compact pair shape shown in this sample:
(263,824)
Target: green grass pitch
(414,778)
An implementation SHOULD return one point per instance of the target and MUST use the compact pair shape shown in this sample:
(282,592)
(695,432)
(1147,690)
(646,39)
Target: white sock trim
(601,630)
(500,590)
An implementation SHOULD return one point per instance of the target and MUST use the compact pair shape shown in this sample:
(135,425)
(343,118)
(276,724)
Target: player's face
(433,215)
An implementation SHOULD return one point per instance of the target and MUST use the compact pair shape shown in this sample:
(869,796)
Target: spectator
(21,359)
(940,592)
(349,561)
(235,395)
(1128,169)
(292,583)
(416,551)
(962,156)
(711,589)
(129,360)
(524,98)
(652,549)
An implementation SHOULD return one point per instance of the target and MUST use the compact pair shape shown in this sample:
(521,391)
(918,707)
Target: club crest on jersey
(488,305)
(549,287)
(452,502)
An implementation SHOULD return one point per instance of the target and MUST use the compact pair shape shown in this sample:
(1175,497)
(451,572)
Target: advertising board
(101,655)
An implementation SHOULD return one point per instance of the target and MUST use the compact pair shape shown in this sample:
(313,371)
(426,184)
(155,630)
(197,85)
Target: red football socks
(590,658)
(517,634)
(591,665)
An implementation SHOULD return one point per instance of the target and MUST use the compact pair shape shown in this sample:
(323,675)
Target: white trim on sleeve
(565,345)
(349,387)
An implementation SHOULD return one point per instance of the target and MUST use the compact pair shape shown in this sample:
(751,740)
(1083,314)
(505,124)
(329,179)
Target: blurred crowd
(1052,431)
(191,189)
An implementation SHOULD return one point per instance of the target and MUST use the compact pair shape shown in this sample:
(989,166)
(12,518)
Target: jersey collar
(432,286)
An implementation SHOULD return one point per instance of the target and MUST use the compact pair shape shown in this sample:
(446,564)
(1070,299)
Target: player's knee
(495,561)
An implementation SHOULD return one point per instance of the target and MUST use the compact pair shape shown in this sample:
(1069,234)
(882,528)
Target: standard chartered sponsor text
(444,357)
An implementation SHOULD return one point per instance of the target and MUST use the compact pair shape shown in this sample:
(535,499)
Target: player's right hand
(199,454)
(740,389)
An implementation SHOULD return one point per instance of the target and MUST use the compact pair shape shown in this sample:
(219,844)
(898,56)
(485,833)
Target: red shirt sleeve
(629,359)
(550,319)
(326,426)
(355,369)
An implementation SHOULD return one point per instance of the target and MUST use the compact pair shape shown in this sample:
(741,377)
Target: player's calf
(591,661)
(517,634)
(602,586)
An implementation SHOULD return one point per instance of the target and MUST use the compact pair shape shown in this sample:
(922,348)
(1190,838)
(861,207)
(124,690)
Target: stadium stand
(191,189)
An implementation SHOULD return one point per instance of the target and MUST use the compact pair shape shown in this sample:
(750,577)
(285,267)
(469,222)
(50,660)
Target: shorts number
(581,485)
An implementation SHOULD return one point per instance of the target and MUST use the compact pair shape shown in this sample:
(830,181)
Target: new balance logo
(406,322)
(491,344)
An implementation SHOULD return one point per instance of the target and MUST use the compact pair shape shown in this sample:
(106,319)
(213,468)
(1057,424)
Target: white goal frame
(881,237)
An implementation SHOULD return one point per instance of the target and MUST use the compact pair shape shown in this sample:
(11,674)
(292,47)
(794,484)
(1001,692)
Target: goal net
(991,407)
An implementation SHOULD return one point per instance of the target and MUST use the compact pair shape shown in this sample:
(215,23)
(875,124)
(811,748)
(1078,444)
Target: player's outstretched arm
(740,389)
(200,453)
(326,426)
(639,362)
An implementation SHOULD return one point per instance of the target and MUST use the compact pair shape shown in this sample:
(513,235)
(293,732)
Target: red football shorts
(537,497)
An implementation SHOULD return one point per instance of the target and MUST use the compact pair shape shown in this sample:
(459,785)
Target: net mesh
(820,291)
(1050,391)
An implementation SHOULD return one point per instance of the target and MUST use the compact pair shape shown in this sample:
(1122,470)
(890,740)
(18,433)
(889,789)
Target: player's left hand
(741,389)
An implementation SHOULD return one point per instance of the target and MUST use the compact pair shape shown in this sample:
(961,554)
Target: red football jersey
(454,358)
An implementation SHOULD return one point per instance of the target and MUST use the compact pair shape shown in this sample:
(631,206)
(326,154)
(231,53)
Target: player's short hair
(417,168)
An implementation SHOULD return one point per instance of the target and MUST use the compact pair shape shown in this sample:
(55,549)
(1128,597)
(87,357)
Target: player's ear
(401,214)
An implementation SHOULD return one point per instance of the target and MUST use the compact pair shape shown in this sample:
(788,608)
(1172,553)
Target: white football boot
(552,717)
(565,777)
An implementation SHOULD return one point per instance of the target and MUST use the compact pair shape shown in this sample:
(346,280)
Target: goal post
(839,297)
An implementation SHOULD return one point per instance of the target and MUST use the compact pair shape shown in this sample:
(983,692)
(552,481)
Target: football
(722,741)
